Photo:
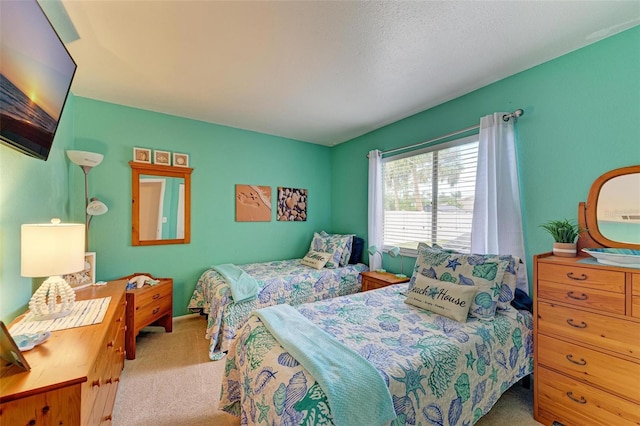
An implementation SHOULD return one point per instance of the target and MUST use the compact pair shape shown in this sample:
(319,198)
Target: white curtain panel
(375,212)
(497,214)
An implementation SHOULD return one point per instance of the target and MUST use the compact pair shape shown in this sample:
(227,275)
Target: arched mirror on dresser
(160,204)
(611,215)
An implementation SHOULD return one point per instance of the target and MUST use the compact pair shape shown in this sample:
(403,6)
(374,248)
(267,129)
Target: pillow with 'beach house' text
(316,259)
(441,297)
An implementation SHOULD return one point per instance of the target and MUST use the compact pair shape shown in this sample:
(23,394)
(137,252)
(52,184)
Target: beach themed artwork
(85,277)
(253,203)
(161,157)
(292,204)
(180,160)
(142,155)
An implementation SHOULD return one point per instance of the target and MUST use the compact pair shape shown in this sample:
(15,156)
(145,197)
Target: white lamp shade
(52,249)
(85,158)
(394,251)
(97,207)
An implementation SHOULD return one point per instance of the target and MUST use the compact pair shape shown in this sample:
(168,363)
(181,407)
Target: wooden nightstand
(372,280)
(149,305)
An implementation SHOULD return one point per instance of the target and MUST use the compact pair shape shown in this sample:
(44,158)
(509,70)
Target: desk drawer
(614,374)
(599,330)
(578,277)
(573,403)
(584,296)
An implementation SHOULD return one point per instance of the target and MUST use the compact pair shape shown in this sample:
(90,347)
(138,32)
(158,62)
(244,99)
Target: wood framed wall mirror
(160,204)
(611,215)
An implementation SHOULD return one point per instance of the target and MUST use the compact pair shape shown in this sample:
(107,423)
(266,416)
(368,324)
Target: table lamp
(394,252)
(372,252)
(51,250)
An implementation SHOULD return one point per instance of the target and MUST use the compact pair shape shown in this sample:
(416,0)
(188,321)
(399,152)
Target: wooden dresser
(372,280)
(587,343)
(74,374)
(148,305)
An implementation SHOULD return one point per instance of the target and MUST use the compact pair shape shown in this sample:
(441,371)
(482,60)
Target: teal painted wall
(582,118)
(31,191)
(221,158)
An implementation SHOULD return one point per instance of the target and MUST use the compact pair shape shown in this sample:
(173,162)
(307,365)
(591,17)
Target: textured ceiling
(321,72)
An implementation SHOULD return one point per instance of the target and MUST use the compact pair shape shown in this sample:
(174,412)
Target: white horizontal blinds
(428,195)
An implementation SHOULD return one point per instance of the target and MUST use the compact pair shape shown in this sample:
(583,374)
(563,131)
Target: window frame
(438,146)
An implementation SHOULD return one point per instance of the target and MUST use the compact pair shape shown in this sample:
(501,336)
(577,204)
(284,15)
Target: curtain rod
(506,117)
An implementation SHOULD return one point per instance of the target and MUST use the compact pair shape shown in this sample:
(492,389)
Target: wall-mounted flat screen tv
(36,71)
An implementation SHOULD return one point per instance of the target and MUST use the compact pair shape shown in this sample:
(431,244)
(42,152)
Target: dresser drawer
(635,298)
(611,373)
(599,279)
(583,296)
(599,330)
(149,313)
(635,306)
(151,295)
(573,403)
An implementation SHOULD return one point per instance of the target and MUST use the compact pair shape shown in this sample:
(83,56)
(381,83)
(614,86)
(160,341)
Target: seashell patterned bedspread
(439,371)
(281,281)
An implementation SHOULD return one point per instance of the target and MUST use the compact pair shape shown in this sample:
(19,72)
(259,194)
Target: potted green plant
(565,234)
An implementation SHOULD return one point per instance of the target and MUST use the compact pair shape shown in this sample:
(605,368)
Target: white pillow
(316,259)
(441,297)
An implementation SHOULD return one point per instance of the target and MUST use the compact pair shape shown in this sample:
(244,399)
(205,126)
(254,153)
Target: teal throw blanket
(342,373)
(243,286)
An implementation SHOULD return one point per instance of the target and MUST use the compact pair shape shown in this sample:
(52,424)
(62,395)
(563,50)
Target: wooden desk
(74,374)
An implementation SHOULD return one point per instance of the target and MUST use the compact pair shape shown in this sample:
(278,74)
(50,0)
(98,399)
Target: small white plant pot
(564,249)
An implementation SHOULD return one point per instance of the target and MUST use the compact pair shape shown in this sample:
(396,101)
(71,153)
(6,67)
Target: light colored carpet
(172,382)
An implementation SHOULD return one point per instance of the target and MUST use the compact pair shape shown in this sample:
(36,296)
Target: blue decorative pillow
(346,253)
(332,244)
(462,269)
(356,251)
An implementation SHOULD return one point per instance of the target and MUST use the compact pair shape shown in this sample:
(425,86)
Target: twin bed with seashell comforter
(282,281)
(438,371)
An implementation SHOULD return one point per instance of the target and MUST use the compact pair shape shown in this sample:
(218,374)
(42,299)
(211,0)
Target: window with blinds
(429,194)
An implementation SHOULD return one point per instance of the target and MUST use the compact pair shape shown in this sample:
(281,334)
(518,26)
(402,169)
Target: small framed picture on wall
(180,160)
(142,155)
(85,277)
(161,157)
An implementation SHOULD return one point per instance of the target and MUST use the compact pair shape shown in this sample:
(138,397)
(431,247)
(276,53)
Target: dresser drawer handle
(571,295)
(572,324)
(155,311)
(156,296)
(579,401)
(582,277)
(581,362)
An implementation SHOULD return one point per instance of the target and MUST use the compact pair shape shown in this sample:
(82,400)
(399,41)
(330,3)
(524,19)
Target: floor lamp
(88,160)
